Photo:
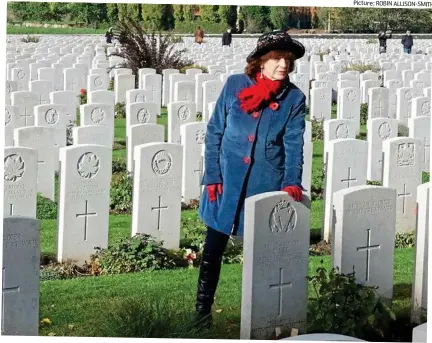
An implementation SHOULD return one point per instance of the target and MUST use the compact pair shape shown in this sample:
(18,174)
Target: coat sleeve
(213,138)
(293,141)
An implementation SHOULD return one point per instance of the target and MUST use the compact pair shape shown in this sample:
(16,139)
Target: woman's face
(276,68)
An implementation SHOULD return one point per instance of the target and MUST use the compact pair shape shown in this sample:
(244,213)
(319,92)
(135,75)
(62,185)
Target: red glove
(211,190)
(294,191)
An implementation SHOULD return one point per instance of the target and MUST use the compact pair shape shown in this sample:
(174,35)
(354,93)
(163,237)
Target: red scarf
(253,97)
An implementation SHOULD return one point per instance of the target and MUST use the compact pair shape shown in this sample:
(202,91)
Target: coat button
(255,114)
(246,159)
(251,138)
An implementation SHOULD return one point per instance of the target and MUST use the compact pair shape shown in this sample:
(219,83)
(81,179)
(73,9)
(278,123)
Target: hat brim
(293,46)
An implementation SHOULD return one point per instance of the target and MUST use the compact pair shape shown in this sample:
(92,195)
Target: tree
(189,12)
(133,11)
(141,49)
(257,18)
(178,13)
(57,11)
(228,15)
(209,13)
(88,13)
(34,11)
(158,16)
(112,13)
(280,17)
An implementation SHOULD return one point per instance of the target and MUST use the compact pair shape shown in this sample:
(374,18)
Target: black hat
(276,40)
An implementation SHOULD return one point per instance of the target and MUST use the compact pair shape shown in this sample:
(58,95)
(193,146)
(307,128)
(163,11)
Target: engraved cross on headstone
(404,195)
(154,93)
(39,162)
(380,108)
(280,286)
(199,171)
(25,116)
(349,179)
(86,214)
(41,100)
(350,116)
(159,209)
(425,147)
(6,290)
(368,249)
(73,84)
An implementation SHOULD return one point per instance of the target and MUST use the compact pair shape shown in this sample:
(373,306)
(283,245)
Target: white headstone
(142,134)
(275,266)
(84,193)
(179,113)
(420,277)
(402,172)
(157,192)
(346,167)
(364,235)
(378,130)
(92,134)
(193,137)
(20,181)
(20,278)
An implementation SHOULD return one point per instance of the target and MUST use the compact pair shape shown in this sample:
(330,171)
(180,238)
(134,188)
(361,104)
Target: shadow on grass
(151,318)
(400,330)
(402,291)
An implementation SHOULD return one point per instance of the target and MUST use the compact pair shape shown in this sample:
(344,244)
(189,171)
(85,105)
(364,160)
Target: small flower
(274,106)
(46,321)
(191,256)
(83,91)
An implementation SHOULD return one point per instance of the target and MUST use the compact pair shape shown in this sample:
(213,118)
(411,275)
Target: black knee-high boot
(210,267)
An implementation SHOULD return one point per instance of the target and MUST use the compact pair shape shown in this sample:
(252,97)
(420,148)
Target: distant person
(199,35)
(227,38)
(407,42)
(109,35)
(382,39)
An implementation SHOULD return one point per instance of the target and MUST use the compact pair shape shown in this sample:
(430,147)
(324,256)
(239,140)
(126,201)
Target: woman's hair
(254,66)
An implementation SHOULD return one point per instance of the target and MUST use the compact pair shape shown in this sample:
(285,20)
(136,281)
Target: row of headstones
(276,257)
(193,86)
(151,85)
(33,146)
(276,241)
(392,101)
(379,130)
(407,153)
(159,180)
(97,127)
(346,162)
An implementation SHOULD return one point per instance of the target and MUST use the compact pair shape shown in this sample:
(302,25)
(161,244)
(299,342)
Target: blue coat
(250,154)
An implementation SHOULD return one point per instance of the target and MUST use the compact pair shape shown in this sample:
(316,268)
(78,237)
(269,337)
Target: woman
(199,35)
(254,144)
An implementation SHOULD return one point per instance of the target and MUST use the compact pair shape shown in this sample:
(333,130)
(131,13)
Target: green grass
(17,30)
(86,302)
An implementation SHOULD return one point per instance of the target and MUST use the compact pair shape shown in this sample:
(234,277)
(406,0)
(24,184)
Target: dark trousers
(211,262)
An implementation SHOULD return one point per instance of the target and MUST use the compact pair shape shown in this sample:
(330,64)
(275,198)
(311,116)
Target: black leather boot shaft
(211,262)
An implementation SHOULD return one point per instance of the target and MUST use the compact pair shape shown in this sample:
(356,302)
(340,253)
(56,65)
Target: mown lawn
(110,305)
(95,306)
(18,30)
